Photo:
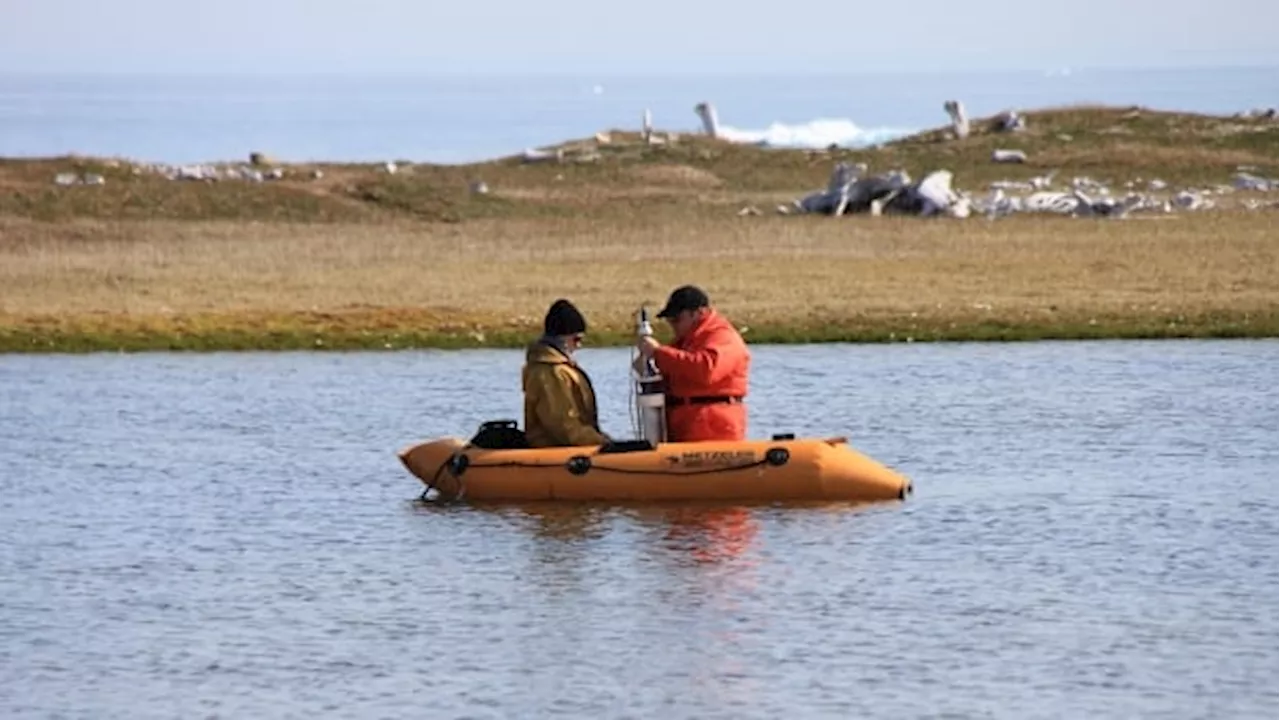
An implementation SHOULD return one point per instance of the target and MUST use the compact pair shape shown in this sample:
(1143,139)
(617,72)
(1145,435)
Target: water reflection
(707,535)
(700,533)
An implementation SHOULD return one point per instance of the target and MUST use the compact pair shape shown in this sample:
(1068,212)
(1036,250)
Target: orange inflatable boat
(779,469)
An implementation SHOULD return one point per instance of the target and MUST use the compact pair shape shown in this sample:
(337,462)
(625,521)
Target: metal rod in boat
(649,394)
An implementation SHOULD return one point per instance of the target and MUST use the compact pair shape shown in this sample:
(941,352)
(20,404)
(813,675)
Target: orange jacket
(712,360)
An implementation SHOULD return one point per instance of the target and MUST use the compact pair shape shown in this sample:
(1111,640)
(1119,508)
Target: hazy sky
(609,37)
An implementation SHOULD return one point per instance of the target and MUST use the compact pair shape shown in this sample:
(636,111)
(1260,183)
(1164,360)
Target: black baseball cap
(685,297)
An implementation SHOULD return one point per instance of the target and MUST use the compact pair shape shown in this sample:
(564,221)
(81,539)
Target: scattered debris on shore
(1008,121)
(260,168)
(1258,114)
(68,179)
(589,151)
(850,188)
(849,191)
(1000,155)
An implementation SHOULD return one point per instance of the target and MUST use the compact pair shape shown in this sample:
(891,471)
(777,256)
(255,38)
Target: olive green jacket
(559,401)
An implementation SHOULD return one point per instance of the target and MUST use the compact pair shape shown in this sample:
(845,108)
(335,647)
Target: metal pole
(650,397)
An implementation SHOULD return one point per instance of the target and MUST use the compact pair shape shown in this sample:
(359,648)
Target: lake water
(1093,534)
(425,118)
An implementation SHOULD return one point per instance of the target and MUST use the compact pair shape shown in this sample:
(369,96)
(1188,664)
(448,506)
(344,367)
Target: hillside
(694,175)
(355,256)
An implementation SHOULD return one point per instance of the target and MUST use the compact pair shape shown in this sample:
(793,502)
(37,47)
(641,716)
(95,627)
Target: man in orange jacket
(705,370)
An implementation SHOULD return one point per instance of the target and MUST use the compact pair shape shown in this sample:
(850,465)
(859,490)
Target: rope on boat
(454,472)
(458,463)
(624,471)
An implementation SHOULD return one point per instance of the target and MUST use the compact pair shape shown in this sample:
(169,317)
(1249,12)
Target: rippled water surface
(1093,534)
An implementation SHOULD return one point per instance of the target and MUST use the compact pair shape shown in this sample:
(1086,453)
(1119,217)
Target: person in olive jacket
(559,401)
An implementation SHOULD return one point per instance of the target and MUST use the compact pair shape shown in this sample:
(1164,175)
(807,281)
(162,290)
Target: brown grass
(768,271)
(676,175)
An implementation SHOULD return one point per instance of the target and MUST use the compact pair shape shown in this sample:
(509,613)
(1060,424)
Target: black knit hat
(685,297)
(564,319)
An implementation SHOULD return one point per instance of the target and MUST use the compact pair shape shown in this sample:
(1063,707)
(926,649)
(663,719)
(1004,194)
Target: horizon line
(1049,70)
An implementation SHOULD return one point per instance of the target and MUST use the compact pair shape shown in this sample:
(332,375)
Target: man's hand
(647,345)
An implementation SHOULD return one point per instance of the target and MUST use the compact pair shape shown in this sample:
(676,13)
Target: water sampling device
(649,398)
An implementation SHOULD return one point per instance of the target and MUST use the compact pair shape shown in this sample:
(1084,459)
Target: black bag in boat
(500,435)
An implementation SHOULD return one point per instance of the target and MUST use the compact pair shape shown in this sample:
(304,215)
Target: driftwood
(67,179)
(1078,204)
(1188,200)
(849,193)
(1074,204)
(1008,156)
(1258,113)
(840,185)
(710,123)
(1087,197)
(959,121)
(933,195)
(1008,121)
(1246,181)
(533,155)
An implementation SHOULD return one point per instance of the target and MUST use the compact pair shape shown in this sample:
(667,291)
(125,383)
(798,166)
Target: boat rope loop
(456,465)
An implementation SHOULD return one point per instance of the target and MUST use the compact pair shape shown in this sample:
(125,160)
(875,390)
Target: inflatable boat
(779,469)
(497,464)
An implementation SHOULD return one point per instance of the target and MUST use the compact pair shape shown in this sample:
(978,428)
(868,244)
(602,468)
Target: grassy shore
(361,258)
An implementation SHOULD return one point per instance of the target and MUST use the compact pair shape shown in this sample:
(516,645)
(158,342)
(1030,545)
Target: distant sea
(177,119)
